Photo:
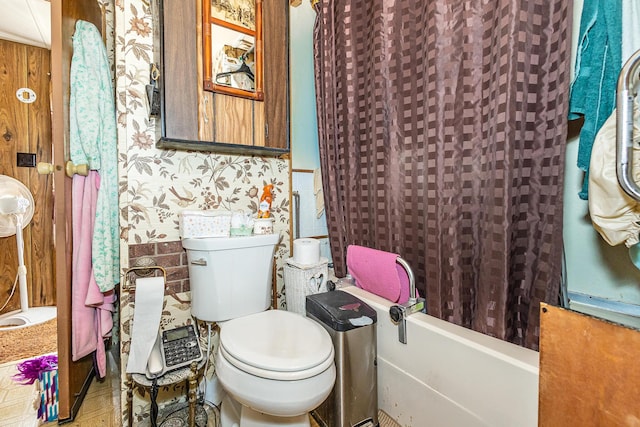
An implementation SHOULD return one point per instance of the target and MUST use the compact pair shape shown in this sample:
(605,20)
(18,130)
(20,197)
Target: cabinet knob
(45,168)
(72,169)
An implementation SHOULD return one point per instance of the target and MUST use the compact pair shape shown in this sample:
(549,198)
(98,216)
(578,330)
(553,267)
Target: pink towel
(91,310)
(378,272)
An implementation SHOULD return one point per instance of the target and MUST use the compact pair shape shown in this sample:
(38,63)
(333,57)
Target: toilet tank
(230,276)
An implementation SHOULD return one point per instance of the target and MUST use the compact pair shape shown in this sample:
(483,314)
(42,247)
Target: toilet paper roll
(306,251)
(146,321)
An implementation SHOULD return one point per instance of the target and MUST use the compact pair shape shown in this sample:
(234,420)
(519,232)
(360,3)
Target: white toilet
(275,365)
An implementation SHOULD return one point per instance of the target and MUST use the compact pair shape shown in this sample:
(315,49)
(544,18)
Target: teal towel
(598,63)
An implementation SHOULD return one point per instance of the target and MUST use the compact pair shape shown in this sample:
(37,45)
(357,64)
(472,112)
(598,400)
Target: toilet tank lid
(234,242)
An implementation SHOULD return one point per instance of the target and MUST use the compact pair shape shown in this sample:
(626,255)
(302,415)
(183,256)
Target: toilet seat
(278,375)
(276,344)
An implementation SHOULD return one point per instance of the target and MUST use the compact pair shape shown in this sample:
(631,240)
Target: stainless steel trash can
(351,324)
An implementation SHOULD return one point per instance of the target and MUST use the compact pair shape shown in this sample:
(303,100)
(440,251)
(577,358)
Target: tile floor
(16,401)
(101,406)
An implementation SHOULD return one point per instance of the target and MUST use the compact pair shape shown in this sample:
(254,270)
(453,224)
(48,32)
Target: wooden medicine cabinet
(224,76)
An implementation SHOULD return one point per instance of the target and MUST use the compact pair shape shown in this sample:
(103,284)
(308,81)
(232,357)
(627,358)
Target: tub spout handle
(399,317)
(412,280)
(399,314)
(395,312)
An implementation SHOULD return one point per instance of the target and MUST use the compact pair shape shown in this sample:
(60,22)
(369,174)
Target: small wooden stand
(190,374)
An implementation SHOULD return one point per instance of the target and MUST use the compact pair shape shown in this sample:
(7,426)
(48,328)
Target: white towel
(615,214)
(317,191)
(630,25)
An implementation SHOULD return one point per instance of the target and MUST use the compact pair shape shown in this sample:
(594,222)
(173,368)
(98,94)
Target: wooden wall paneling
(589,371)
(275,15)
(232,119)
(179,82)
(14,137)
(205,104)
(73,377)
(43,289)
(205,116)
(224,118)
(259,138)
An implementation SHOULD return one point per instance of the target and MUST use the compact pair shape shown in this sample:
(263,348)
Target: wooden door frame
(73,377)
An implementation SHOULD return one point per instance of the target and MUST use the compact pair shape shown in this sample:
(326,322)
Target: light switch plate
(26,160)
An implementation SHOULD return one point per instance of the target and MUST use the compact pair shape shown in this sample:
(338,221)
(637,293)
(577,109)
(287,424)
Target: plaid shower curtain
(442,129)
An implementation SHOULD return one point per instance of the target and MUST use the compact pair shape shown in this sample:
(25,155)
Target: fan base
(22,319)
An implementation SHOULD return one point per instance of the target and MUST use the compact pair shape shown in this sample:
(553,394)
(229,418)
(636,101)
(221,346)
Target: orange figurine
(265,202)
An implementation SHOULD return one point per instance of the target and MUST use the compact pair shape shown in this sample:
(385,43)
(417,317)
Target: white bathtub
(447,375)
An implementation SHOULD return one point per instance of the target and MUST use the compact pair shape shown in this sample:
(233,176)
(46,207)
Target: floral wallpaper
(155,185)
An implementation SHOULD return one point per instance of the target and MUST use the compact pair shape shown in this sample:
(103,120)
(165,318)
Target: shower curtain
(442,130)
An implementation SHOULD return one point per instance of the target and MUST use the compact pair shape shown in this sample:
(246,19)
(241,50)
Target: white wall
(304,125)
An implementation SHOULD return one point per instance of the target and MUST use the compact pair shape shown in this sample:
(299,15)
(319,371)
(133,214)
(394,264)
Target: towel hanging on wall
(378,272)
(598,64)
(630,33)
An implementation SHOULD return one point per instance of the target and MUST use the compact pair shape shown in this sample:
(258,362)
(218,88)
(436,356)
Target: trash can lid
(340,310)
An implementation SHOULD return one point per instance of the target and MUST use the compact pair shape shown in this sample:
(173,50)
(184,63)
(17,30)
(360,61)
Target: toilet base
(233,414)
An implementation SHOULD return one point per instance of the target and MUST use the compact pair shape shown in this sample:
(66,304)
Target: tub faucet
(415,304)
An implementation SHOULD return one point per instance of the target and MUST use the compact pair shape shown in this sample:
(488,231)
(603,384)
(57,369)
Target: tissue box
(194,224)
(242,231)
(303,280)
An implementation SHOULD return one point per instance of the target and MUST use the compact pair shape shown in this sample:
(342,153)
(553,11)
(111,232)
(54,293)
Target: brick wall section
(169,255)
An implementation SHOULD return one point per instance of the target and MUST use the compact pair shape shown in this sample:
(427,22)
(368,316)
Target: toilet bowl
(277,365)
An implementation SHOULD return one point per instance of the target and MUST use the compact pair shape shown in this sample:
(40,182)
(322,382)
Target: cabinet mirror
(232,47)
(209,50)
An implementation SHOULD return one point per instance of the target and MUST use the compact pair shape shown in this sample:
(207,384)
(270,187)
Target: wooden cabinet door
(589,372)
(73,377)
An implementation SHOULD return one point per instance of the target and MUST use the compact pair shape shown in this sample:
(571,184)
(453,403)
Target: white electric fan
(16,210)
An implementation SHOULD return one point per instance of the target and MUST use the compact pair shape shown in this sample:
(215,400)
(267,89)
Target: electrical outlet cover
(26,160)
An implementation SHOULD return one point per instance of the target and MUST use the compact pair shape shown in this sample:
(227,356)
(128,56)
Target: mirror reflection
(232,42)
(235,12)
(233,58)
